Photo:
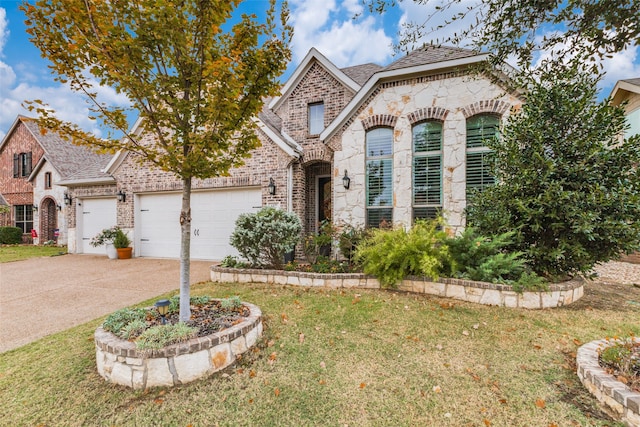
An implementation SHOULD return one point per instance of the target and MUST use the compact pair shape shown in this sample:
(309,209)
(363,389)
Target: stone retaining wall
(120,362)
(613,394)
(466,290)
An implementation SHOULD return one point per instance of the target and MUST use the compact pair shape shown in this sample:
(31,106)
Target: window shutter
(479,171)
(29,166)
(427,180)
(16,165)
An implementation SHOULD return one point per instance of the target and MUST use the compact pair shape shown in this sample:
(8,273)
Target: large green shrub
(265,236)
(392,254)
(569,186)
(10,235)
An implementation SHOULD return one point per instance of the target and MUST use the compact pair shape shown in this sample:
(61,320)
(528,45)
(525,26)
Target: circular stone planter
(120,362)
(615,396)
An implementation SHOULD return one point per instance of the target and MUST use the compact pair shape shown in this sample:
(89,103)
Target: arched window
(427,169)
(479,157)
(379,162)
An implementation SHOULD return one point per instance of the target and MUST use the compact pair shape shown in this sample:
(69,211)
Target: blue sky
(327,25)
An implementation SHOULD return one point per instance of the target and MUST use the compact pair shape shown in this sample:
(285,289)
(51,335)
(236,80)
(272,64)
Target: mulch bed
(208,318)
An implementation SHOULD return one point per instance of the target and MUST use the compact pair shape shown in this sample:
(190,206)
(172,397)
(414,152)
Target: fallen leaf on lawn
(437,389)
(355,300)
(503,401)
(284,318)
(323,365)
(465,333)
(322,382)
(553,425)
(276,392)
(158,401)
(486,422)
(252,373)
(537,346)
(576,341)
(301,338)
(447,415)
(317,328)
(439,347)
(271,343)
(240,371)
(476,326)
(540,403)
(362,385)
(250,400)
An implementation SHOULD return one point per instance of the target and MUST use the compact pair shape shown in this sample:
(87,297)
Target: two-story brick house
(33,162)
(356,145)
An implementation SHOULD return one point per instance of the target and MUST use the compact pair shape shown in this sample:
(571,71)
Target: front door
(324,198)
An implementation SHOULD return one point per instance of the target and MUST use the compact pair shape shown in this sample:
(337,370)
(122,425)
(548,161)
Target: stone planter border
(614,395)
(466,290)
(120,362)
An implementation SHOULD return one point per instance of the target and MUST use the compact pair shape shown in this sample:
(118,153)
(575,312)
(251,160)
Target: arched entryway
(318,195)
(48,220)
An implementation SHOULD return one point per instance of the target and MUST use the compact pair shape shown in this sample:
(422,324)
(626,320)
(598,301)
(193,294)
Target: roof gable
(312,57)
(623,87)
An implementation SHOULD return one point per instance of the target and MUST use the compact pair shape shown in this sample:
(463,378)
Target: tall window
(21,165)
(427,169)
(47,180)
(24,217)
(316,118)
(379,159)
(479,158)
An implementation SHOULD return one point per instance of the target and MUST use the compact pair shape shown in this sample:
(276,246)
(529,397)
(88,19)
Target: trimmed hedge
(10,235)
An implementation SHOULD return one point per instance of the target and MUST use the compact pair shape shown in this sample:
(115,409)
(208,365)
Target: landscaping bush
(349,239)
(392,254)
(264,237)
(318,244)
(10,235)
(119,319)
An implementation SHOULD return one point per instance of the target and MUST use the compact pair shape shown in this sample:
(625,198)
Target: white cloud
(331,29)
(4,31)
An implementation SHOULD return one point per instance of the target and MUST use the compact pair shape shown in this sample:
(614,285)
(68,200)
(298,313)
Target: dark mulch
(208,318)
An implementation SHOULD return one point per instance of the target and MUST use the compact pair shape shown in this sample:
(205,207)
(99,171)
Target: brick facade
(17,190)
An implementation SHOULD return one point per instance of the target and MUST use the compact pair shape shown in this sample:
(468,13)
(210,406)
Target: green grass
(10,253)
(367,358)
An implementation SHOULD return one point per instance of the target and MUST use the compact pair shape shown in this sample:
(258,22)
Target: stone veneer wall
(613,394)
(119,361)
(466,290)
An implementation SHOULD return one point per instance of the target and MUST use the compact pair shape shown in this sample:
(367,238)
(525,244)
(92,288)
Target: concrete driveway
(41,296)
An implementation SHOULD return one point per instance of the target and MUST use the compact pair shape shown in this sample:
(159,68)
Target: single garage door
(213,217)
(95,215)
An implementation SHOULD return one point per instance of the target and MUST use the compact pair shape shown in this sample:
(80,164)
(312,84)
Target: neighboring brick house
(628,92)
(32,164)
(406,138)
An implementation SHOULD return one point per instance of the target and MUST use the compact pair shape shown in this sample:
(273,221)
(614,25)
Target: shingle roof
(72,161)
(430,55)
(361,73)
(635,81)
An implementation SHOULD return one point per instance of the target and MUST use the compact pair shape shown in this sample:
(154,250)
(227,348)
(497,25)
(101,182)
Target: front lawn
(10,253)
(345,357)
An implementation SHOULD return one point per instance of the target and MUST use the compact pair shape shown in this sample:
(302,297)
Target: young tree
(568,185)
(195,84)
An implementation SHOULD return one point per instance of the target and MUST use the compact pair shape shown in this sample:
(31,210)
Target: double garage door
(213,217)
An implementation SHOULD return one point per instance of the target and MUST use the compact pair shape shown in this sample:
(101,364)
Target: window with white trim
(316,118)
(24,217)
(427,169)
(479,157)
(379,168)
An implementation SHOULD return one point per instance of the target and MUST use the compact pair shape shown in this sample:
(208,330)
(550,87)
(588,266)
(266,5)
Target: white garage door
(213,217)
(95,215)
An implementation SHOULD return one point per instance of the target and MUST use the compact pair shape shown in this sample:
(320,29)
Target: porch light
(121,196)
(271,187)
(59,207)
(35,208)
(163,308)
(67,199)
(346,181)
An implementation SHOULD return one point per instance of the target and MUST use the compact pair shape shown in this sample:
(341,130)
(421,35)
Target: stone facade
(52,212)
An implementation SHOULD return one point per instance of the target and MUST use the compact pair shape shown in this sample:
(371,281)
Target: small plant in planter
(106,237)
(121,242)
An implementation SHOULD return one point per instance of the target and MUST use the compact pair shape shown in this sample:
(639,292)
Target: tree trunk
(185,251)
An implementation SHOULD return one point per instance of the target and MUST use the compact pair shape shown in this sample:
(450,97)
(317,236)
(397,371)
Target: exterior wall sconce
(121,196)
(346,181)
(59,207)
(67,199)
(35,208)
(163,308)
(271,187)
